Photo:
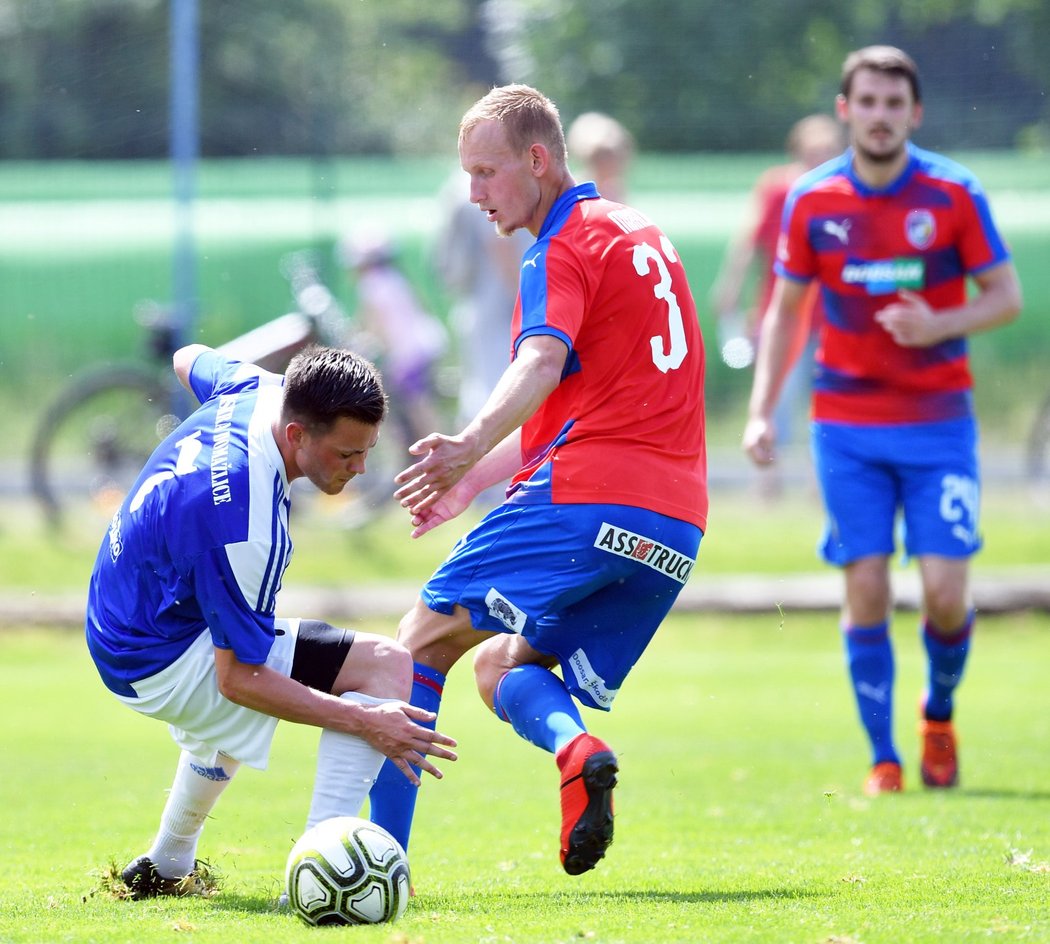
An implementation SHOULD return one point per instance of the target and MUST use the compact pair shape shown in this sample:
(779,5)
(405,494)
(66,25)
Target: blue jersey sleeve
(233,620)
(213,374)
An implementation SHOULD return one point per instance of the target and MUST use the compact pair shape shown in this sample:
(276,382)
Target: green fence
(82,244)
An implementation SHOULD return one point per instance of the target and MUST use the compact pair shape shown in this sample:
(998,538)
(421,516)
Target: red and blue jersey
(926,232)
(626,424)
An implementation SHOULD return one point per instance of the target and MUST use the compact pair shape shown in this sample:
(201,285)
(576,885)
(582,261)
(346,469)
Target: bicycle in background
(97,433)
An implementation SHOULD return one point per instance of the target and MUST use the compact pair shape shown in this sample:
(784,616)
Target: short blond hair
(527,116)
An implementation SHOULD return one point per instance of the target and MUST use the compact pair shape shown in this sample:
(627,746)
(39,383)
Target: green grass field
(739,816)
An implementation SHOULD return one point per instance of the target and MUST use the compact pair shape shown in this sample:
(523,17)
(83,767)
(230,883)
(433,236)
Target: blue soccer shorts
(925,472)
(588,584)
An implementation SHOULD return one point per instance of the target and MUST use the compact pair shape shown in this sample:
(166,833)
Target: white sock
(194,792)
(347,766)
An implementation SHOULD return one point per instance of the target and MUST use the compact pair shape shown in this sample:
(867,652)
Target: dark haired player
(181,606)
(892,234)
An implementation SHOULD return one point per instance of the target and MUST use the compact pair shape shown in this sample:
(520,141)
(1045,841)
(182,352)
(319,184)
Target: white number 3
(645,256)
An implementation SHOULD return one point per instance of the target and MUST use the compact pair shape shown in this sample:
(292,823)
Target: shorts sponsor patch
(590,681)
(506,612)
(645,550)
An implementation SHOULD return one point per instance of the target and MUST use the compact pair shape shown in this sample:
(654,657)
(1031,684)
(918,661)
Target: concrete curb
(1009,591)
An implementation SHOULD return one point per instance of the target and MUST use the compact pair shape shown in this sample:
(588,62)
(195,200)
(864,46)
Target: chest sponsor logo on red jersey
(885,276)
(645,550)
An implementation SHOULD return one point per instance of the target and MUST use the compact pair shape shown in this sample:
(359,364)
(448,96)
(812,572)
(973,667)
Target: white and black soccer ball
(347,870)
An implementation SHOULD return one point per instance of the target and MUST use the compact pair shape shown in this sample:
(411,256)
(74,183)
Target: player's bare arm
(782,338)
(390,727)
(525,384)
(182,361)
(494,467)
(912,323)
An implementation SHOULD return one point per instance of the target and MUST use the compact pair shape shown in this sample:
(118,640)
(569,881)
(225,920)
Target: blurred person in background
(598,422)
(181,606)
(893,234)
(409,339)
(604,150)
(479,270)
(810,142)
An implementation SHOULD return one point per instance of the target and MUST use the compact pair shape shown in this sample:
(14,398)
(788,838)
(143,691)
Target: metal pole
(185,150)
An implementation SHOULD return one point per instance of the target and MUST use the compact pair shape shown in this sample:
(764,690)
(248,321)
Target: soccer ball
(347,870)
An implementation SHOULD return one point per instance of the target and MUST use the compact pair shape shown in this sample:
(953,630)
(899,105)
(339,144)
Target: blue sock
(392,800)
(947,659)
(538,706)
(869,656)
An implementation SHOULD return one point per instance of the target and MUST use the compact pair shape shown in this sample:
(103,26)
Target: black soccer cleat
(143,881)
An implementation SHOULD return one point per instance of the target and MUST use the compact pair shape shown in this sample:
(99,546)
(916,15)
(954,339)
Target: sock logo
(877,693)
(210,773)
(652,553)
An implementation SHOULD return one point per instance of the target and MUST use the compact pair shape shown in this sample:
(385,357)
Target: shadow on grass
(1002,794)
(468,902)
(604,899)
(247,904)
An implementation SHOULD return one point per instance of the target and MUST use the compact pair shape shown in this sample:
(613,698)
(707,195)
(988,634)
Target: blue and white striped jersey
(201,540)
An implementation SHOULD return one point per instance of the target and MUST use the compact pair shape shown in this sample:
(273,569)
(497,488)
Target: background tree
(698,75)
(324,77)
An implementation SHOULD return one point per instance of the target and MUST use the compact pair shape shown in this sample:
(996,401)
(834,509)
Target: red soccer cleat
(885,777)
(588,774)
(940,762)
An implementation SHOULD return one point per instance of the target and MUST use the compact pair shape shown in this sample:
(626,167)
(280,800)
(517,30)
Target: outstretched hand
(429,487)
(394,730)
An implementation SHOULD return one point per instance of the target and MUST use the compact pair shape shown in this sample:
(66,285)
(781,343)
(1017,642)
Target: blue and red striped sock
(947,658)
(392,800)
(869,656)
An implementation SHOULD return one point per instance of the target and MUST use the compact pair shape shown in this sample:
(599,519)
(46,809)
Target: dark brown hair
(323,384)
(886,59)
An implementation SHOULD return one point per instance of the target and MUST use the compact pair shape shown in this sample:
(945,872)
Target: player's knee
(393,665)
(868,593)
(945,596)
(436,639)
(946,609)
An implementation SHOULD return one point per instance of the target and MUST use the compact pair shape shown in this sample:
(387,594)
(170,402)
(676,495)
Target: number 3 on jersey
(645,257)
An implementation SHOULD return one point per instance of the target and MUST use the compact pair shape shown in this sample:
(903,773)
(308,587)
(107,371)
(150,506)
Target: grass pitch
(739,815)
